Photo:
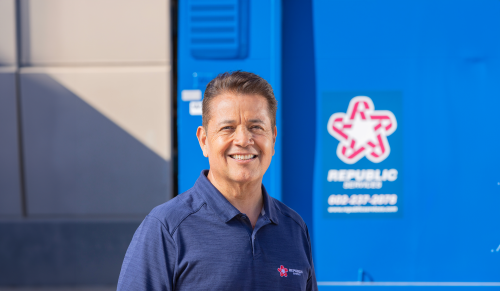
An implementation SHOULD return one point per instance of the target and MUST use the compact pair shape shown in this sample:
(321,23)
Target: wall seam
(22,186)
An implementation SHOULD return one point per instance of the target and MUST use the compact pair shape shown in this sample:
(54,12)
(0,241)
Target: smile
(243,157)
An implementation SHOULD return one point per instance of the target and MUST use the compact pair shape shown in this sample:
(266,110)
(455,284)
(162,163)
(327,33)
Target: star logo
(283,271)
(362,131)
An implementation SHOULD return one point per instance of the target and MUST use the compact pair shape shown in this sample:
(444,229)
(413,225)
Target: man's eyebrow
(226,121)
(256,121)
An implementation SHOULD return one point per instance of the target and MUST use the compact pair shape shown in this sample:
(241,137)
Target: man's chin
(245,177)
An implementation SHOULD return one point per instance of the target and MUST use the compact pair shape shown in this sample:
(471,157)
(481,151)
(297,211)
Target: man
(225,233)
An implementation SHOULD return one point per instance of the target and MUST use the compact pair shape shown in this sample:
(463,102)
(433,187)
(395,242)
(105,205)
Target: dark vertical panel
(10,195)
(299,107)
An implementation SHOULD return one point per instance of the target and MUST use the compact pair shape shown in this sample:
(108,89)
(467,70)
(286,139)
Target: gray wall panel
(10,194)
(63,253)
(80,163)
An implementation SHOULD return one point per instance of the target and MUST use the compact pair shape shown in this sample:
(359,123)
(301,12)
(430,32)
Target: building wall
(86,125)
(10,179)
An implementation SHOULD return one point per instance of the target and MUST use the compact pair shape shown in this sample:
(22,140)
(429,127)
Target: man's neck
(247,197)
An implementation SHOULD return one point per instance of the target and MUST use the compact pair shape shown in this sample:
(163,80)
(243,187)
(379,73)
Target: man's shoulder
(173,212)
(288,213)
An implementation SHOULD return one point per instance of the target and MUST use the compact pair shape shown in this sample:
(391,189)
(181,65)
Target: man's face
(239,140)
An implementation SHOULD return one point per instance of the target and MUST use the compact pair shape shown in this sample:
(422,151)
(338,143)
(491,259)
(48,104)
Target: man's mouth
(243,157)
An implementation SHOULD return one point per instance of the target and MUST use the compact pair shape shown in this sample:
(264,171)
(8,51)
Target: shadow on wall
(81,170)
(10,197)
(78,162)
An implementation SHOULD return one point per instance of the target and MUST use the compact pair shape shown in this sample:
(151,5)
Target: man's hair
(238,83)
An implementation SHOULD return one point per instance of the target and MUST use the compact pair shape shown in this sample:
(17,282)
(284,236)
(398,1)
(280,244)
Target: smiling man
(226,232)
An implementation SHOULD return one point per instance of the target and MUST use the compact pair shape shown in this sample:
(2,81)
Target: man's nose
(243,137)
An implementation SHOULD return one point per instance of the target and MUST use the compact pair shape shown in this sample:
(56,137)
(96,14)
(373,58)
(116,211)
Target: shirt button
(244,216)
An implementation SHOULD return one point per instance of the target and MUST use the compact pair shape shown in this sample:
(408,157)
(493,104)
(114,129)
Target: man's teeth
(243,157)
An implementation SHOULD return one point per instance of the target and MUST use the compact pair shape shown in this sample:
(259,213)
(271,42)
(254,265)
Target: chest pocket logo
(283,271)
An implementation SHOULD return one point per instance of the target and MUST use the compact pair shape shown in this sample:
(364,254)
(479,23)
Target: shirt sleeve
(149,263)
(312,284)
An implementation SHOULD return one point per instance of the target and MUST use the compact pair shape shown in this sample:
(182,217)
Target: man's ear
(201,134)
(275,133)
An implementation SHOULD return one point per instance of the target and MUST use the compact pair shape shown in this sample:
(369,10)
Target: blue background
(444,57)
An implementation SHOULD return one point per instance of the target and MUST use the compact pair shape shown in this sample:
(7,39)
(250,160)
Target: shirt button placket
(253,244)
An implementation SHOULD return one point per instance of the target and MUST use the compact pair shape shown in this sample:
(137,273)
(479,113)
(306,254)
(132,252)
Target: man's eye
(256,127)
(226,127)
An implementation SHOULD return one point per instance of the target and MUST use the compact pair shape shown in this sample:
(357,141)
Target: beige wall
(136,98)
(7,33)
(96,32)
(115,56)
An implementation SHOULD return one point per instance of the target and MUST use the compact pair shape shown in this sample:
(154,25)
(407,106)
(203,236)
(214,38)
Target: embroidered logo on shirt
(283,271)
(296,272)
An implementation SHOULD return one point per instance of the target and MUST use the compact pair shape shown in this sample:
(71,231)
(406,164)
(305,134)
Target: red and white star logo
(362,131)
(283,271)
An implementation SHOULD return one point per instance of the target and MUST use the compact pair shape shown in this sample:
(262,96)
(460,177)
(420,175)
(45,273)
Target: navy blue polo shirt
(200,241)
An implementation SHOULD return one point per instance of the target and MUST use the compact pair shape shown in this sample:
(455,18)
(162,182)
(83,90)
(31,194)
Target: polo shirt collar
(222,207)
(269,206)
